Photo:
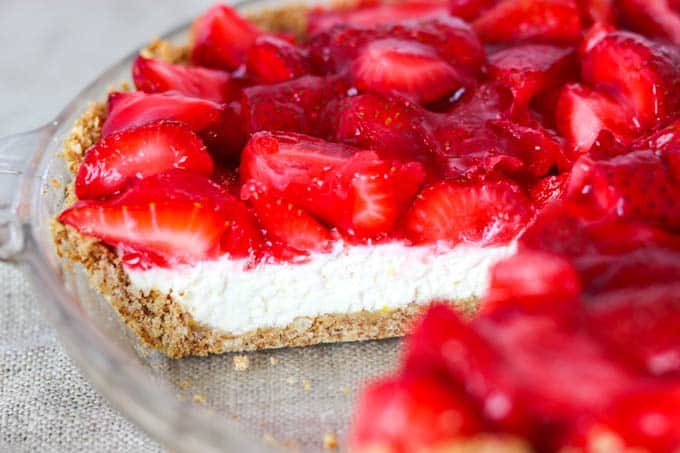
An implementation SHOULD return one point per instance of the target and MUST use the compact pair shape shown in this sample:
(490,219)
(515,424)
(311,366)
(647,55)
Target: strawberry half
(409,68)
(666,143)
(157,76)
(219,125)
(273,60)
(371,14)
(485,213)
(549,189)
(222,38)
(285,222)
(412,413)
(177,217)
(139,152)
(637,69)
(583,113)
(548,21)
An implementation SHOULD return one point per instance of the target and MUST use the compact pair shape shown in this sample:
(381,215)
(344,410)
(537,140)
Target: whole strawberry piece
(409,68)
(177,218)
(138,152)
(605,187)
(371,14)
(412,413)
(655,18)
(641,71)
(486,213)
(640,326)
(582,114)
(530,69)
(534,282)
(222,38)
(273,60)
(392,126)
(548,21)
(157,76)
(299,105)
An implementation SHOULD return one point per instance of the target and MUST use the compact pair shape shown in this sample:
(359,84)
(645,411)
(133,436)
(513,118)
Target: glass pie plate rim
(27,162)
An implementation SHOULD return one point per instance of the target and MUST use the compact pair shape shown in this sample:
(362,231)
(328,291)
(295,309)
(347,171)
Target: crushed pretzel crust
(157,318)
(483,443)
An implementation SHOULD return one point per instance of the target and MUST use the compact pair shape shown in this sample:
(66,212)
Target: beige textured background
(49,49)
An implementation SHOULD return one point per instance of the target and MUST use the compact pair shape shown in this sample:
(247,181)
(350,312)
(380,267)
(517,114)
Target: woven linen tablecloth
(48,51)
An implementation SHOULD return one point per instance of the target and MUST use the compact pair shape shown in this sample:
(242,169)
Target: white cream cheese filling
(226,295)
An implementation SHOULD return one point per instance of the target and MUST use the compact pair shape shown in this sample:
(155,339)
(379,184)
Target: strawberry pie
(322,175)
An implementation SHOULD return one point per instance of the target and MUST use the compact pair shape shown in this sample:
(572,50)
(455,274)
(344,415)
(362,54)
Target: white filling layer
(225,295)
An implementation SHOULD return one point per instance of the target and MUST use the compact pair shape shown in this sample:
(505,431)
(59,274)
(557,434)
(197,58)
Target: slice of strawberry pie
(273,185)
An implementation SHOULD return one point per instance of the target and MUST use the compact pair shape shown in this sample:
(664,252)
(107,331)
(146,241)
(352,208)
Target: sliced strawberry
(272,60)
(139,152)
(375,13)
(393,127)
(351,189)
(647,419)
(406,67)
(219,125)
(595,34)
(128,109)
(179,217)
(469,10)
(228,178)
(640,325)
(451,38)
(605,187)
(656,18)
(285,222)
(583,113)
(486,213)
(530,69)
(222,38)
(548,21)
(412,413)
(280,159)
(634,68)
(549,189)
(299,105)
(157,76)
(533,281)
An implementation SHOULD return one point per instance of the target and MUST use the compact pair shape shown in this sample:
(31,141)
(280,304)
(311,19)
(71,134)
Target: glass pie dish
(289,398)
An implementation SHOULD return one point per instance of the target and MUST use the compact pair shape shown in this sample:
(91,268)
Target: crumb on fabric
(184,384)
(199,398)
(241,362)
(274,361)
(330,441)
(291,380)
(306,384)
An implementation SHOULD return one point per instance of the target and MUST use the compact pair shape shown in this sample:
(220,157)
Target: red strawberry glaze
(552,123)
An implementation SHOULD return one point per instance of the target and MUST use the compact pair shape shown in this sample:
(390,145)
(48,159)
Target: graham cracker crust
(158,319)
